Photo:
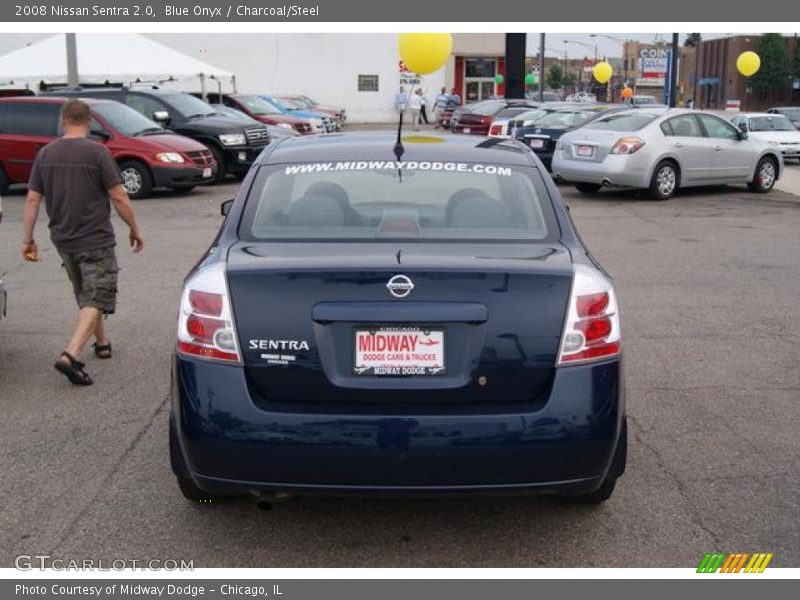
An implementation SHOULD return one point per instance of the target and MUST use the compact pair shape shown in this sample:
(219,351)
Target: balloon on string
(530,79)
(498,79)
(627,92)
(602,72)
(748,63)
(425,53)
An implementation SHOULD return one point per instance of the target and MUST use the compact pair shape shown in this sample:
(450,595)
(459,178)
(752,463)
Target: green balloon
(498,79)
(530,79)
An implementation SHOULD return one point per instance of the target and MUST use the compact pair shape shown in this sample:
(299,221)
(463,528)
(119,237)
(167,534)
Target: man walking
(77,177)
(439,105)
(401,101)
(423,109)
(414,107)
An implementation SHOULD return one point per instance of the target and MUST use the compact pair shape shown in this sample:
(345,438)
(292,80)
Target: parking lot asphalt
(708,285)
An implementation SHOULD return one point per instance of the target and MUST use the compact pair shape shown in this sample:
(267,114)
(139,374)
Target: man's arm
(29,249)
(122,204)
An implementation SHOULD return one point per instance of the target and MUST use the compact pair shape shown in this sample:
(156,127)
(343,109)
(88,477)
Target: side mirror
(743,134)
(162,117)
(225,207)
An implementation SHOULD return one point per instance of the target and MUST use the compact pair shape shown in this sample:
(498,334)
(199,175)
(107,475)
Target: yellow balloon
(748,63)
(425,53)
(602,72)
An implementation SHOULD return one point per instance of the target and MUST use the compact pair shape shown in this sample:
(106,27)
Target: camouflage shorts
(93,274)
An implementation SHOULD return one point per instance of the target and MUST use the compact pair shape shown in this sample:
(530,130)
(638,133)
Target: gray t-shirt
(74,175)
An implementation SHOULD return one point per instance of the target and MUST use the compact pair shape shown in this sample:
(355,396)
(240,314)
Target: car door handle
(718,148)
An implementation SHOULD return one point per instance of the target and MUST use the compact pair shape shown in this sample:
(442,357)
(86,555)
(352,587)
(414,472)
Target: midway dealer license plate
(394,351)
(585,151)
(206,172)
(536,142)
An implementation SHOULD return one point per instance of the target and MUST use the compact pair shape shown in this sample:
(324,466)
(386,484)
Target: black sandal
(103,351)
(74,370)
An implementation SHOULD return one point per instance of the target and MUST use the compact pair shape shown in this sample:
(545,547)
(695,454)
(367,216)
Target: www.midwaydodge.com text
(136,10)
(61,589)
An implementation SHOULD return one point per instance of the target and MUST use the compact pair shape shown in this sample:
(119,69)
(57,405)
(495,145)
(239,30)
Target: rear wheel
(665,180)
(222,170)
(136,179)
(3,182)
(588,188)
(765,176)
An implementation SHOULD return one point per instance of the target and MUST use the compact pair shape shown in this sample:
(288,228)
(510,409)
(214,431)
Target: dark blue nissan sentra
(419,318)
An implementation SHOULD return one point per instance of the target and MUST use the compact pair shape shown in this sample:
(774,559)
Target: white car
(773,128)
(664,150)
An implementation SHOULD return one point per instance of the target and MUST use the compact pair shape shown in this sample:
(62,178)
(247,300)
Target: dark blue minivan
(398,318)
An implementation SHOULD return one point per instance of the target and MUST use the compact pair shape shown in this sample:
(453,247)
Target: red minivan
(148,155)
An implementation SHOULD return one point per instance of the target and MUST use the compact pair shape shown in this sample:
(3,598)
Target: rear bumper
(473,129)
(614,170)
(178,176)
(227,444)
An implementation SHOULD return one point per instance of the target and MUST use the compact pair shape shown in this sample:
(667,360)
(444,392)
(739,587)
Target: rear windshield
(568,118)
(774,123)
(622,122)
(485,109)
(376,200)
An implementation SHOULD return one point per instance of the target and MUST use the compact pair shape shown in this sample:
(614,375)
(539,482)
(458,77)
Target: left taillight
(591,330)
(205,322)
(496,129)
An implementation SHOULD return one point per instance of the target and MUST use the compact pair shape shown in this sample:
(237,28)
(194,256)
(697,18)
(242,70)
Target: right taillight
(627,145)
(591,329)
(496,130)
(205,321)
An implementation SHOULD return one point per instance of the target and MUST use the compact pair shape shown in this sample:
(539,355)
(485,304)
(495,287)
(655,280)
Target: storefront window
(480,67)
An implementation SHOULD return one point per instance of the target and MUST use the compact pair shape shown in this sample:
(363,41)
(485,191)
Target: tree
(692,40)
(569,80)
(775,68)
(555,77)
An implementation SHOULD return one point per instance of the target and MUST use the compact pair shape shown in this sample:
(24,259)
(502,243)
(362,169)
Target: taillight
(205,321)
(496,130)
(627,145)
(591,331)
(486,119)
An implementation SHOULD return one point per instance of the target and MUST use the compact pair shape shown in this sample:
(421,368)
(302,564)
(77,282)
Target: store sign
(407,77)
(653,65)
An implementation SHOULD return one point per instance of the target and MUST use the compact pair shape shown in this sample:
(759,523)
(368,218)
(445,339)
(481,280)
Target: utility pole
(515,65)
(72,60)
(673,72)
(541,67)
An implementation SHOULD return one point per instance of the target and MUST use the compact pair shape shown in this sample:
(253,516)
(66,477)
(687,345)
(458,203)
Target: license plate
(398,351)
(467,129)
(536,143)
(585,150)
(207,172)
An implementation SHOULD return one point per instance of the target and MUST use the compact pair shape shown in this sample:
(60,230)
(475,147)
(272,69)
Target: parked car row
(160,138)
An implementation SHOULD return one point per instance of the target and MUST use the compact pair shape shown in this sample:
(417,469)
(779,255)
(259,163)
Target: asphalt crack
(102,486)
(694,511)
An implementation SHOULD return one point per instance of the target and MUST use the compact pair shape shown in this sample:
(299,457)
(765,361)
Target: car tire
(588,188)
(222,171)
(136,179)
(3,182)
(665,180)
(765,176)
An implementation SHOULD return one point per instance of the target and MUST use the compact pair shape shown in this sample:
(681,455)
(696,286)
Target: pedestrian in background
(401,101)
(440,104)
(414,107)
(76,177)
(454,100)
(423,113)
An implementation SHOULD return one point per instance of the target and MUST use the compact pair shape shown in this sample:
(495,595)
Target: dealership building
(361,72)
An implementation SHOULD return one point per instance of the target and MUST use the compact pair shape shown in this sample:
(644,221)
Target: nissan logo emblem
(400,286)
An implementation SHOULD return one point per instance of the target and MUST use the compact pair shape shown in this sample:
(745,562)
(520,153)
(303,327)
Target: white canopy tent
(114,58)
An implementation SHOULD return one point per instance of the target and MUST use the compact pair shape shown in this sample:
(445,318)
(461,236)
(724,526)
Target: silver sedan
(663,150)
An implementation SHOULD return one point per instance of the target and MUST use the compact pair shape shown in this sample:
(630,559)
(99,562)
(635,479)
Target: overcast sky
(555,46)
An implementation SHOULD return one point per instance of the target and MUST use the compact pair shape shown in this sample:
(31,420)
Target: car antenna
(398,146)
